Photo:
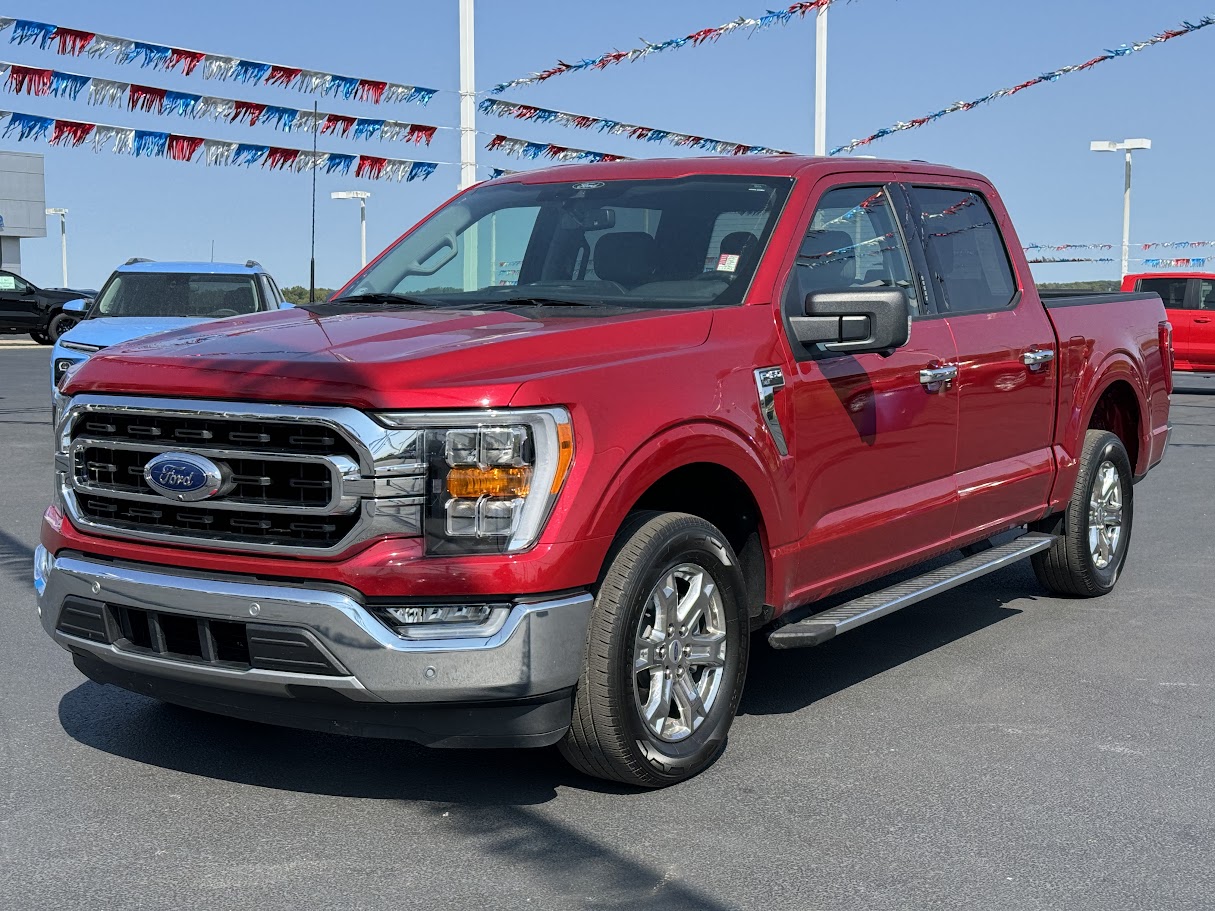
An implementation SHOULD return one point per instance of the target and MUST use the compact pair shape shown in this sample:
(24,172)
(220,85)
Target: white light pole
(1127,146)
(362,196)
(468,99)
(62,213)
(820,82)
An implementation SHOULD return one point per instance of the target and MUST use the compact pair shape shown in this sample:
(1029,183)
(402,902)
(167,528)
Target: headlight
(80,346)
(492,476)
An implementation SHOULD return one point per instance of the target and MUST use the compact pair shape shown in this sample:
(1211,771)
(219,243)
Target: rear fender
(1091,385)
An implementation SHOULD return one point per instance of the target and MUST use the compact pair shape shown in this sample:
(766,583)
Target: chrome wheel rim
(679,653)
(1105,515)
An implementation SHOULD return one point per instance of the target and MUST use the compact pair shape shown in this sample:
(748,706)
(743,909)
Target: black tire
(59,324)
(608,737)
(1069,567)
(41,338)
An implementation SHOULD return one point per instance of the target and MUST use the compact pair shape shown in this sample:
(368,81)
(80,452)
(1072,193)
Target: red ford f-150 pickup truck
(538,472)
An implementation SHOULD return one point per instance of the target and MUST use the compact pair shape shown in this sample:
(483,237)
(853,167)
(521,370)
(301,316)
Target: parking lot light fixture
(362,196)
(1128,146)
(62,213)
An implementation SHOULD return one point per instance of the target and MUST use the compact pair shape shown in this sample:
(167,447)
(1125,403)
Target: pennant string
(695,39)
(155,144)
(151,99)
(73,42)
(499,108)
(1186,28)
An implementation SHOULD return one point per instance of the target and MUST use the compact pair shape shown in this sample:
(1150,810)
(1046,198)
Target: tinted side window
(967,249)
(854,241)
(1206,294)
(1171,290)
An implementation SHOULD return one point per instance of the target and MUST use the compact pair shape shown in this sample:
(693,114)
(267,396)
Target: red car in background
(1189,298)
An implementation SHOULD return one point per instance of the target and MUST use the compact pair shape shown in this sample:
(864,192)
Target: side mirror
(286,305)
(858,321)
(80,305)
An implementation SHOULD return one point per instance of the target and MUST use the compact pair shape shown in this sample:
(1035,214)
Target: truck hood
(107,331)
(385,358)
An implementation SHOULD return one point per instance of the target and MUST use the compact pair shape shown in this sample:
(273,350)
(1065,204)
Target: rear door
(1177,292)
(1202,324)
(18,303)
(873,443)
(1006,359)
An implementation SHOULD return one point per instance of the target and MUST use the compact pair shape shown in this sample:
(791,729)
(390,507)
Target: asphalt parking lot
(994,748)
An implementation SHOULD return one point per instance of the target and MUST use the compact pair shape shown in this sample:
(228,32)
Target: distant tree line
(298,294)
(1102,285)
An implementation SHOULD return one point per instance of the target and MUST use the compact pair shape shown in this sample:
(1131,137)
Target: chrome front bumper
(538,651)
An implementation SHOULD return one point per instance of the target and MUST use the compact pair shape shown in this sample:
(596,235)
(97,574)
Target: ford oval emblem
(184,476)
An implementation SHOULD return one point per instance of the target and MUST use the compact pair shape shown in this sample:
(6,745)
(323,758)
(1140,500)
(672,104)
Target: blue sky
(889,60)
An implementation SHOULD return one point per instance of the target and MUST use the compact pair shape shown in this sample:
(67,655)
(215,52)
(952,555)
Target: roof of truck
(749,165)
(247,268)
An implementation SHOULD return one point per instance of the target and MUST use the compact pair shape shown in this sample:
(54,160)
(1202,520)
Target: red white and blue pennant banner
(1038,260)
(1196,262)
(769,19)
(618,128)
(1126,50)
(74,42)
(33,81)
(153,144)
(1058,248)
(1177,244)
(522,148)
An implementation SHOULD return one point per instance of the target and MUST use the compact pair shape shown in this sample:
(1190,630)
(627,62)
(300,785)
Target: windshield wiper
(546,302)
(382,297)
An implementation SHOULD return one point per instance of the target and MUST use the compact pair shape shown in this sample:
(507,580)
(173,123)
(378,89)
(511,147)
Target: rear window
(1171,290)
(969,251)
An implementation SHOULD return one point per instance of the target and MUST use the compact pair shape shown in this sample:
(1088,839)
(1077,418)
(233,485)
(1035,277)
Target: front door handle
(1037,358)
(933,378)
(1202,319)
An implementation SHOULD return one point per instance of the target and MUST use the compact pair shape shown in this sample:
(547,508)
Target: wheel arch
(708,470)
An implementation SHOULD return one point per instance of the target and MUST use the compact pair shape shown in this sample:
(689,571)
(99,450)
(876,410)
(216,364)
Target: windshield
(692,241)
(183,294)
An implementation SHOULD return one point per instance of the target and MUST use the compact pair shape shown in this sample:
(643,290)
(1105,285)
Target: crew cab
(536,474)
(26,308)
(1189,299)
(142,297)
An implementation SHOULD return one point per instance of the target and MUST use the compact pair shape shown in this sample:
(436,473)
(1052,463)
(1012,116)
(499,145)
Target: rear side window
(1171,291)
(967,249)
(1206,294)
(854,241)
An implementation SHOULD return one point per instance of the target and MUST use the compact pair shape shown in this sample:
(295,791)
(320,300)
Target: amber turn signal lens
(565,455)
(472,483)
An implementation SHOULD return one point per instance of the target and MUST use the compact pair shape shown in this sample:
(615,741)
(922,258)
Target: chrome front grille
(301,479)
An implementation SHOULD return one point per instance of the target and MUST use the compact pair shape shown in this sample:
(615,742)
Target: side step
(817,629)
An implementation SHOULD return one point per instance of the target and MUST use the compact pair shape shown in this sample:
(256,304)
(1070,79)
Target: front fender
(766,475)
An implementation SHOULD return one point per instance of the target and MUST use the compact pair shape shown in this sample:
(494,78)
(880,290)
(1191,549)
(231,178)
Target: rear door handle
(1037,358)
(1204,320)
(933,378)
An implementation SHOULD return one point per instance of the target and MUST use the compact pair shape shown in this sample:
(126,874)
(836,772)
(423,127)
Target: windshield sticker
(727,262)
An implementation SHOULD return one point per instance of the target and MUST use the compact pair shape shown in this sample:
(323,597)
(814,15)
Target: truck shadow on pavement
(491,798)
(16,559)
(496,798)
(783,681)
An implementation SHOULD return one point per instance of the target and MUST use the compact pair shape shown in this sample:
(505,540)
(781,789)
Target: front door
(874,444)
(1006,362)
(18,305)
